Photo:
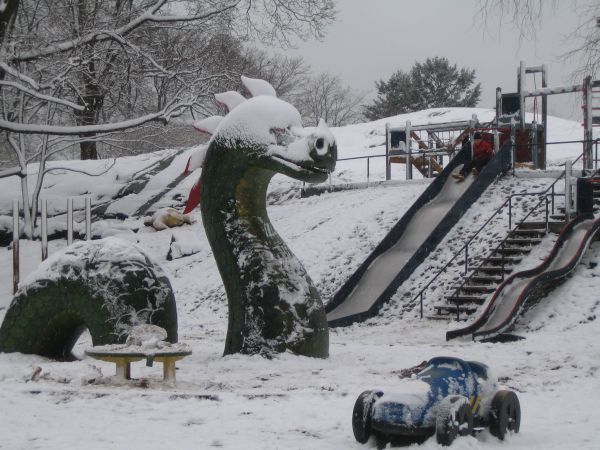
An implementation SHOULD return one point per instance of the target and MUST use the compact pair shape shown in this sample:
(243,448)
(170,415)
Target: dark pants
(478,164)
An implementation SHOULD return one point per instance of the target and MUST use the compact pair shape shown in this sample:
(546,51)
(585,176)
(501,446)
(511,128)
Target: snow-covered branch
(150,15)
(10,172)
(70,169)
(173,109)
(47,98)
(15,73)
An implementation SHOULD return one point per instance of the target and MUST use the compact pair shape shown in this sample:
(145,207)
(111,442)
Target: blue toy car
(449,397)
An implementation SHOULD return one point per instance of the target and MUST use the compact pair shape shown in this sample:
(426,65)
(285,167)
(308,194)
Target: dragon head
(268,133)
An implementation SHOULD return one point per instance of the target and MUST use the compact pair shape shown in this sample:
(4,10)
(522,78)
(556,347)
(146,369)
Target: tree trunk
(8,8)
(92,99)
(88,149)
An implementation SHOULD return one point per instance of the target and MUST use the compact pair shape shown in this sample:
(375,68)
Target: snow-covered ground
(291,402)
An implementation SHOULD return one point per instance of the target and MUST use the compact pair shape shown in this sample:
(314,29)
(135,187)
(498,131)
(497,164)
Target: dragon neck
(267,287)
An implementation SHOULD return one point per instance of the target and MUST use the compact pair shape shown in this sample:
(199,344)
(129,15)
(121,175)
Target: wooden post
(44,230)
(408,150)
(169,370)
(69,221)
(16,234)
(88,218)
(123,369)
(388,167)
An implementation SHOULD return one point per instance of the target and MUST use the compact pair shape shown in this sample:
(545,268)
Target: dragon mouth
(303,166)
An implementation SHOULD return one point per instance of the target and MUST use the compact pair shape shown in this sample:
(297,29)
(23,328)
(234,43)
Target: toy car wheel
(454,418)
(505,414)
(361,415)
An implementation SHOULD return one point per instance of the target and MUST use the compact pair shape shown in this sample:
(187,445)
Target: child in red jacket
(482,154)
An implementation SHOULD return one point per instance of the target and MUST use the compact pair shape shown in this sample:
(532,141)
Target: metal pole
(498,106)
(44,230)
(534,155)
(471,126)
(496,141)
(388,168)
(587,117)
(521,80)
(421,304)
(69,221)
(88,218)
(544,115)
(513,143)
(568,170)
(368,169)
(408,151)
(509,213)
(430,166)
(16,234)
(547,214)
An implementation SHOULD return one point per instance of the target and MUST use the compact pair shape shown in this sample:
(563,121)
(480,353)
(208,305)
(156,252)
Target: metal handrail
(465,247)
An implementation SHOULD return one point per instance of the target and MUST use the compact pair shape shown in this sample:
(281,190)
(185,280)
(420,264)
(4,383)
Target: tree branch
(103,35)
(47,98)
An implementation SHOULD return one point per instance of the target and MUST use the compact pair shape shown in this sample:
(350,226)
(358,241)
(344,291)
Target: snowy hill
(292,402)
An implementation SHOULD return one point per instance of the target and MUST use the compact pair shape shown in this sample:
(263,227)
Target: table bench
(123,357)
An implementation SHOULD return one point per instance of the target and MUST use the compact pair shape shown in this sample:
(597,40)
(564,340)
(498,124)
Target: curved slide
(409,242)
(510,297)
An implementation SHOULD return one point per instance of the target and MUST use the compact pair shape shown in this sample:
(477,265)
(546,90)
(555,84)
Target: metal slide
(510,297)
(409,242)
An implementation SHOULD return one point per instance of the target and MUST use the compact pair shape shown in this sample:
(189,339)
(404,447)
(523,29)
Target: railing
(422,154)
(465,248)
(433,153)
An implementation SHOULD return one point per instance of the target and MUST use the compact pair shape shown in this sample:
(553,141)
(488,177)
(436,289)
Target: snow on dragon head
(270,132)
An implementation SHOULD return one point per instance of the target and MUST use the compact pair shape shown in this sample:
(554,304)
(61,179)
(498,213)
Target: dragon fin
(257,87)
(194,197)
(230,99)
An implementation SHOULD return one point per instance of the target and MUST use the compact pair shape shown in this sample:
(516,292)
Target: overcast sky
(373,39)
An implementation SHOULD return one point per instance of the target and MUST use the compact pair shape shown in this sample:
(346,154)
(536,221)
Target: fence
(44,231)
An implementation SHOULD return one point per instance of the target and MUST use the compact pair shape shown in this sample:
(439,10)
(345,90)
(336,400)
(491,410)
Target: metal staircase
(469,295)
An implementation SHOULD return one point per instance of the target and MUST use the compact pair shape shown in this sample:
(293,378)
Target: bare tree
(74,71)
(325,97)
(287,74)
(526,15)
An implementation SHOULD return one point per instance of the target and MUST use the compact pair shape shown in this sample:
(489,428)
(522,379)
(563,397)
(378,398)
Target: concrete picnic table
(124,355)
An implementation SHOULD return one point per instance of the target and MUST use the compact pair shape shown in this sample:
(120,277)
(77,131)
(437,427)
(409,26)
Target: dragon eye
(319,143)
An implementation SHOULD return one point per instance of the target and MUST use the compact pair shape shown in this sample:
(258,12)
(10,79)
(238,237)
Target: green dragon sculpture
(273,304)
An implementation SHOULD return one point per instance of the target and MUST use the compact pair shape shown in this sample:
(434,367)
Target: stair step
(503,259)
(494,269)
(465,299)
(451,309)
(476,288)
(532,226)
(527,232)
(523,241)
(446,317)
(485,279)
(512,250)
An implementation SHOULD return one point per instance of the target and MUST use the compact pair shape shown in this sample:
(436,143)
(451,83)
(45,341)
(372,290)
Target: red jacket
(483,149)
